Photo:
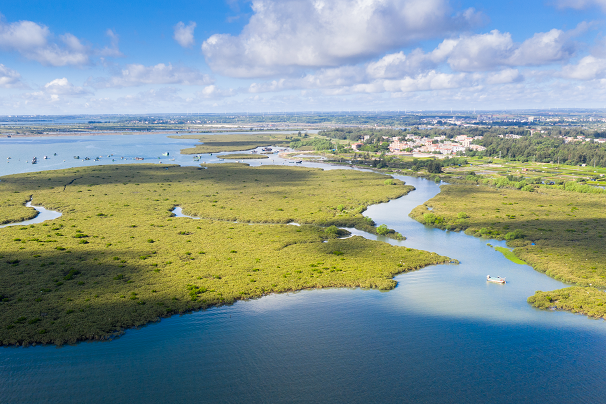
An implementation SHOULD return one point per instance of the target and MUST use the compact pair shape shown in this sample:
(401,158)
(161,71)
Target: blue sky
(300,55)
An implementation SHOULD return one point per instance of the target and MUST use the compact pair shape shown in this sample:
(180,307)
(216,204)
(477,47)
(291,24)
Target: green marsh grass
(140,263)
(232,142)
(244,157)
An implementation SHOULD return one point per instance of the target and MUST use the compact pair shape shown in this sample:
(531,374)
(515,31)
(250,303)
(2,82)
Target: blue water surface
(443,335)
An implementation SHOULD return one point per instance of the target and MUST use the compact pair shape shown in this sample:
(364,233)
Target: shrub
(513,235)
(382,230)
(332,230)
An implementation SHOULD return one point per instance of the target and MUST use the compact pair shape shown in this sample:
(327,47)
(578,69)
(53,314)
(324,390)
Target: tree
(434,167)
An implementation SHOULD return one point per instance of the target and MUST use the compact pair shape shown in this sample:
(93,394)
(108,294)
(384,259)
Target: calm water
(442,336)
(42,216)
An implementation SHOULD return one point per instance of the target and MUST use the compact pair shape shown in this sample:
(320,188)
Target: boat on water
(139,158)
(77,157)
(34,160)
(45,157)
(165,154)
(196,158)
(498,279)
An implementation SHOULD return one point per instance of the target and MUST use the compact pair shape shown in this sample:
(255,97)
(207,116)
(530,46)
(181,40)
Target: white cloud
(184,34)
(32,41)
(112,50)
(284,36)
(504,76)
(9,78)
(63,87)
(396,65)
(495,49)
(588,68)
(212,91)
(137,75)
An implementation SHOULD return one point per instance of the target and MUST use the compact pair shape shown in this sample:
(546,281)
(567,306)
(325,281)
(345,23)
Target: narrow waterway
(42,216)
(443,335)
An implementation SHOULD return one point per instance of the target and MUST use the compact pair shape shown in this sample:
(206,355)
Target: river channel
(443,335)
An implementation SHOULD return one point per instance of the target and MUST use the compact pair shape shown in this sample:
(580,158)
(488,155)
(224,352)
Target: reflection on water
(443,335)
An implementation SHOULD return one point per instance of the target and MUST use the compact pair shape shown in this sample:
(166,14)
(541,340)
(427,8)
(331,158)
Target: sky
(250,56)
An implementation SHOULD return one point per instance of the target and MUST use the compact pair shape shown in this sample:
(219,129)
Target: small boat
(498,279)
(8,158)
(165,154)
(45,157)
(34,160)
(55,154)
(86,158)
(196,158)
(77,157)
(266,149)
(139,158)
(299,162)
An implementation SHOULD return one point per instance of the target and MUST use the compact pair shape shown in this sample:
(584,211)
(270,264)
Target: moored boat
(498,279)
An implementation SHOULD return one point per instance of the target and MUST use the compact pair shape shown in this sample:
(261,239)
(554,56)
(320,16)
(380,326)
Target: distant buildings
(438,145)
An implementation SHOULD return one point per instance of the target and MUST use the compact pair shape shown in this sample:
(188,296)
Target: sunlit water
(444,335)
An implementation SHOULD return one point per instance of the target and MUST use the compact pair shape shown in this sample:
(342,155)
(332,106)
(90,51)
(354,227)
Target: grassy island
(243,157)
(556,231)
(233,142)
(118,257)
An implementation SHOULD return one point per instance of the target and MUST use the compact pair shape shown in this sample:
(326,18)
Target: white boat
(498,279)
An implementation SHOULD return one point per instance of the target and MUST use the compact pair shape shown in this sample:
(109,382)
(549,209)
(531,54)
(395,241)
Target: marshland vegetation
(557,231)
(117,257)
(234,142)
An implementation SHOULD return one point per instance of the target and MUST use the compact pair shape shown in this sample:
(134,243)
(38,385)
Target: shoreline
(380,271)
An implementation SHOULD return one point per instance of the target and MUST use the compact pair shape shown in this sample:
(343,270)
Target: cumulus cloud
(495,49)
(33,41)
(56,92)
(184,34)
(9,78)
(284,36)
(63,87)
(588,68)
(137,75)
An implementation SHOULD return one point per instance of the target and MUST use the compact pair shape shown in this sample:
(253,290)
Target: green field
(117,258)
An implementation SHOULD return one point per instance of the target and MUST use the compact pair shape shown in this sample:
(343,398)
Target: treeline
(545,149)
(315,143)
(433,166)
(530,184)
